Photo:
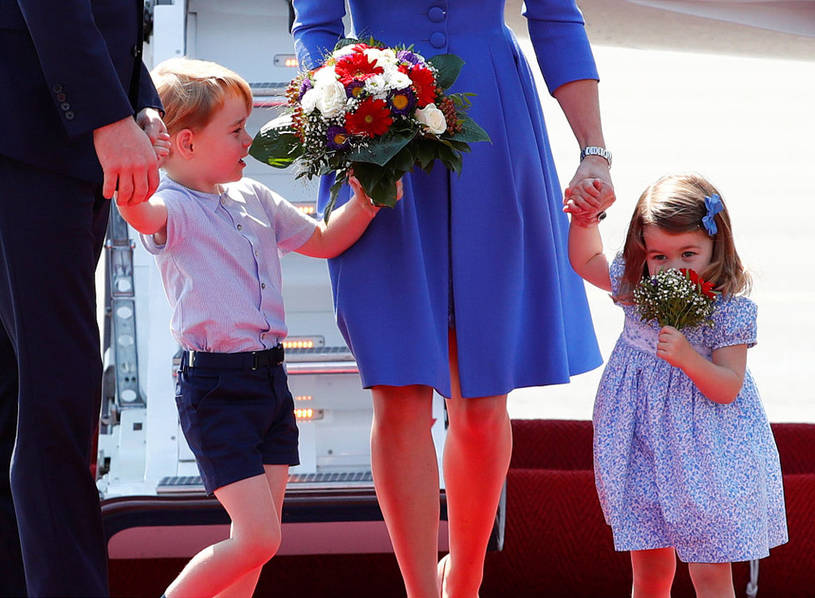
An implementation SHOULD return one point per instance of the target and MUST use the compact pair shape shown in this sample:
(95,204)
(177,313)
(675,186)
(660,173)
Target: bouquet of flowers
(678,298)
(374,111)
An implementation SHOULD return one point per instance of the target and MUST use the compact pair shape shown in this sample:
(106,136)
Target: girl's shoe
(441,573)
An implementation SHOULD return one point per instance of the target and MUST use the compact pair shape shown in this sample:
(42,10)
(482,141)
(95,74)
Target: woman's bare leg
(476,460)
(653,572)
(406,476)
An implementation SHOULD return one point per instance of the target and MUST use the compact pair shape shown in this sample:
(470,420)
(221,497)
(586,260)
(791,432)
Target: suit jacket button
(69,115)
(61,97)
(135,50)
(65,106)
(438,39)
(57,88)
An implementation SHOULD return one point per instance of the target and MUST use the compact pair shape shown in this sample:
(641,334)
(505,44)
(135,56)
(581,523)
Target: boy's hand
(364,200)
(673,347)
(152,124)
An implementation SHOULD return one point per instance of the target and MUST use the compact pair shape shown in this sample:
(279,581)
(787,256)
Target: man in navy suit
(73,88)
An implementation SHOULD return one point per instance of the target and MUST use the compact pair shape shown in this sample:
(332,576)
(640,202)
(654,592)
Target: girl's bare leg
(476,460)
(406,476)
(254,539)
(712,580)
(277,476)
(653,572)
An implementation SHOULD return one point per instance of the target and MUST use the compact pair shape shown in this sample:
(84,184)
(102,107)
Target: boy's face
(219,148)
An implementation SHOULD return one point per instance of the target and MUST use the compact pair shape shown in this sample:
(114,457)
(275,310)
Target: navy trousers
(51,232)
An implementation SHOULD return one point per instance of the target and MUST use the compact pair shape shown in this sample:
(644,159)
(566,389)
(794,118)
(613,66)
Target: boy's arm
(720,380)
(346,225)
(586,253)
(149,218)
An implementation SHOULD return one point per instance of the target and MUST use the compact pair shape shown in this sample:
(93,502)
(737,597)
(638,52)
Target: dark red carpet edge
(557,544)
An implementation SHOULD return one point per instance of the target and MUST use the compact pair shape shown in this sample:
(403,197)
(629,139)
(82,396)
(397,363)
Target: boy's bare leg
(712,580)
(254,539)
(277,476)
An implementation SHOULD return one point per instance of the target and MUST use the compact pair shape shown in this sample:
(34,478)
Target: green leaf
(383,150)
(472,132)
(276,144)
(448,67)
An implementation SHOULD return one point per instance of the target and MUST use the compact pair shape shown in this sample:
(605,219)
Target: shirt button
(436,14)
(257,253)
(262,285)
(240,227)
(438,39)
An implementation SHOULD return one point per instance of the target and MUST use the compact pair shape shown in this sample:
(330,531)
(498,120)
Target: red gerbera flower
(704,286)
(356,66)
(425,85)
(371,119)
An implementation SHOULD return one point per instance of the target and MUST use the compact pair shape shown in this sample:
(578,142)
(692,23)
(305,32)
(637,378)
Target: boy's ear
(183,143)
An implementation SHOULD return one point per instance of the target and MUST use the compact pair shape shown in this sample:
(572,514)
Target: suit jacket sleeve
(317,27)
(558,34)
(77,66)
(147,95)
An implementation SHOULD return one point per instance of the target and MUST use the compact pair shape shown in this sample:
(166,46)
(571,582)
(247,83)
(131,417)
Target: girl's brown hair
(676,204)
(192,90)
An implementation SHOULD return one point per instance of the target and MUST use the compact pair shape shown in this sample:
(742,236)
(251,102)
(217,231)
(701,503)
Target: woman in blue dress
(465,287)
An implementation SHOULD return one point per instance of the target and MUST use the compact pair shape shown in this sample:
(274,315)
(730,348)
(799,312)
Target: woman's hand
(673,347)
(590,191)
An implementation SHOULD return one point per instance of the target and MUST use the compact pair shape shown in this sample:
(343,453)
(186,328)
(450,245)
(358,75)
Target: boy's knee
(263,544)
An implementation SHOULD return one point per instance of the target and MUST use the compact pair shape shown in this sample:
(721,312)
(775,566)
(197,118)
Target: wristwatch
(593,150)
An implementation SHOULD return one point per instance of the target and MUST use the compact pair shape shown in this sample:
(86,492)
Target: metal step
(177,485)
(340,353)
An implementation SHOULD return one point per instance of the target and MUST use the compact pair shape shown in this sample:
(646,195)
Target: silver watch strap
(594,150)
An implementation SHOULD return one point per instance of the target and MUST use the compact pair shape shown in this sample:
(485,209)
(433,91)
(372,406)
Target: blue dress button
(438,39)
(436,14)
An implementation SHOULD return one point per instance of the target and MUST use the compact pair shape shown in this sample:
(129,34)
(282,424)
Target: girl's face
(664,250)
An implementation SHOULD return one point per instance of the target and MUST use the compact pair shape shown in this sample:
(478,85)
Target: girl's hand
(587,200)
(673,347)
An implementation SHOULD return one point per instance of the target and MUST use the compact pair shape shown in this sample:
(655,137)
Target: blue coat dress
(484,252)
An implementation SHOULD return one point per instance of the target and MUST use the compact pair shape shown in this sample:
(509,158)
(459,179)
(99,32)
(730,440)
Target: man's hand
(128,161)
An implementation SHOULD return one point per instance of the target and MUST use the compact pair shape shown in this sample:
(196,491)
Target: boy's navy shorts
(236,419)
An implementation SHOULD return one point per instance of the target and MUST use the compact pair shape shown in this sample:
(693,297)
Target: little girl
(685,462)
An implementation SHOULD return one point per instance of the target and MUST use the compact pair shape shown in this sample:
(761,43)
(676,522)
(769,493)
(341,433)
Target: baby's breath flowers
(376,110)
(678,298)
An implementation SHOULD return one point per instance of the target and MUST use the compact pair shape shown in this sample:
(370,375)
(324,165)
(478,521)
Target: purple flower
(355,88)
(402,101)
(337,137)
(305,85)
(409,56)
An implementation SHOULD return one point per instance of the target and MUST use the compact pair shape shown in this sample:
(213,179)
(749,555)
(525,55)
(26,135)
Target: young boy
(215,237)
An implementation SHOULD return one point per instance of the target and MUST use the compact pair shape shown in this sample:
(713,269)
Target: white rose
(324,75)
(309,101)
(344,51)
(432,118)
(396,79)
(331,99)
(377,87)
(384,58)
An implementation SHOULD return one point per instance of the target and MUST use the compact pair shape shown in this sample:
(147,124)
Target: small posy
(678,298)
(372,110)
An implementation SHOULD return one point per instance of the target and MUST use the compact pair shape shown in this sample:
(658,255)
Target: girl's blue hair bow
(714,205)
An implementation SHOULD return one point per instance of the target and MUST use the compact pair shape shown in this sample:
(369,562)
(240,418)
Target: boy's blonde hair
(676,204)
(192,90)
